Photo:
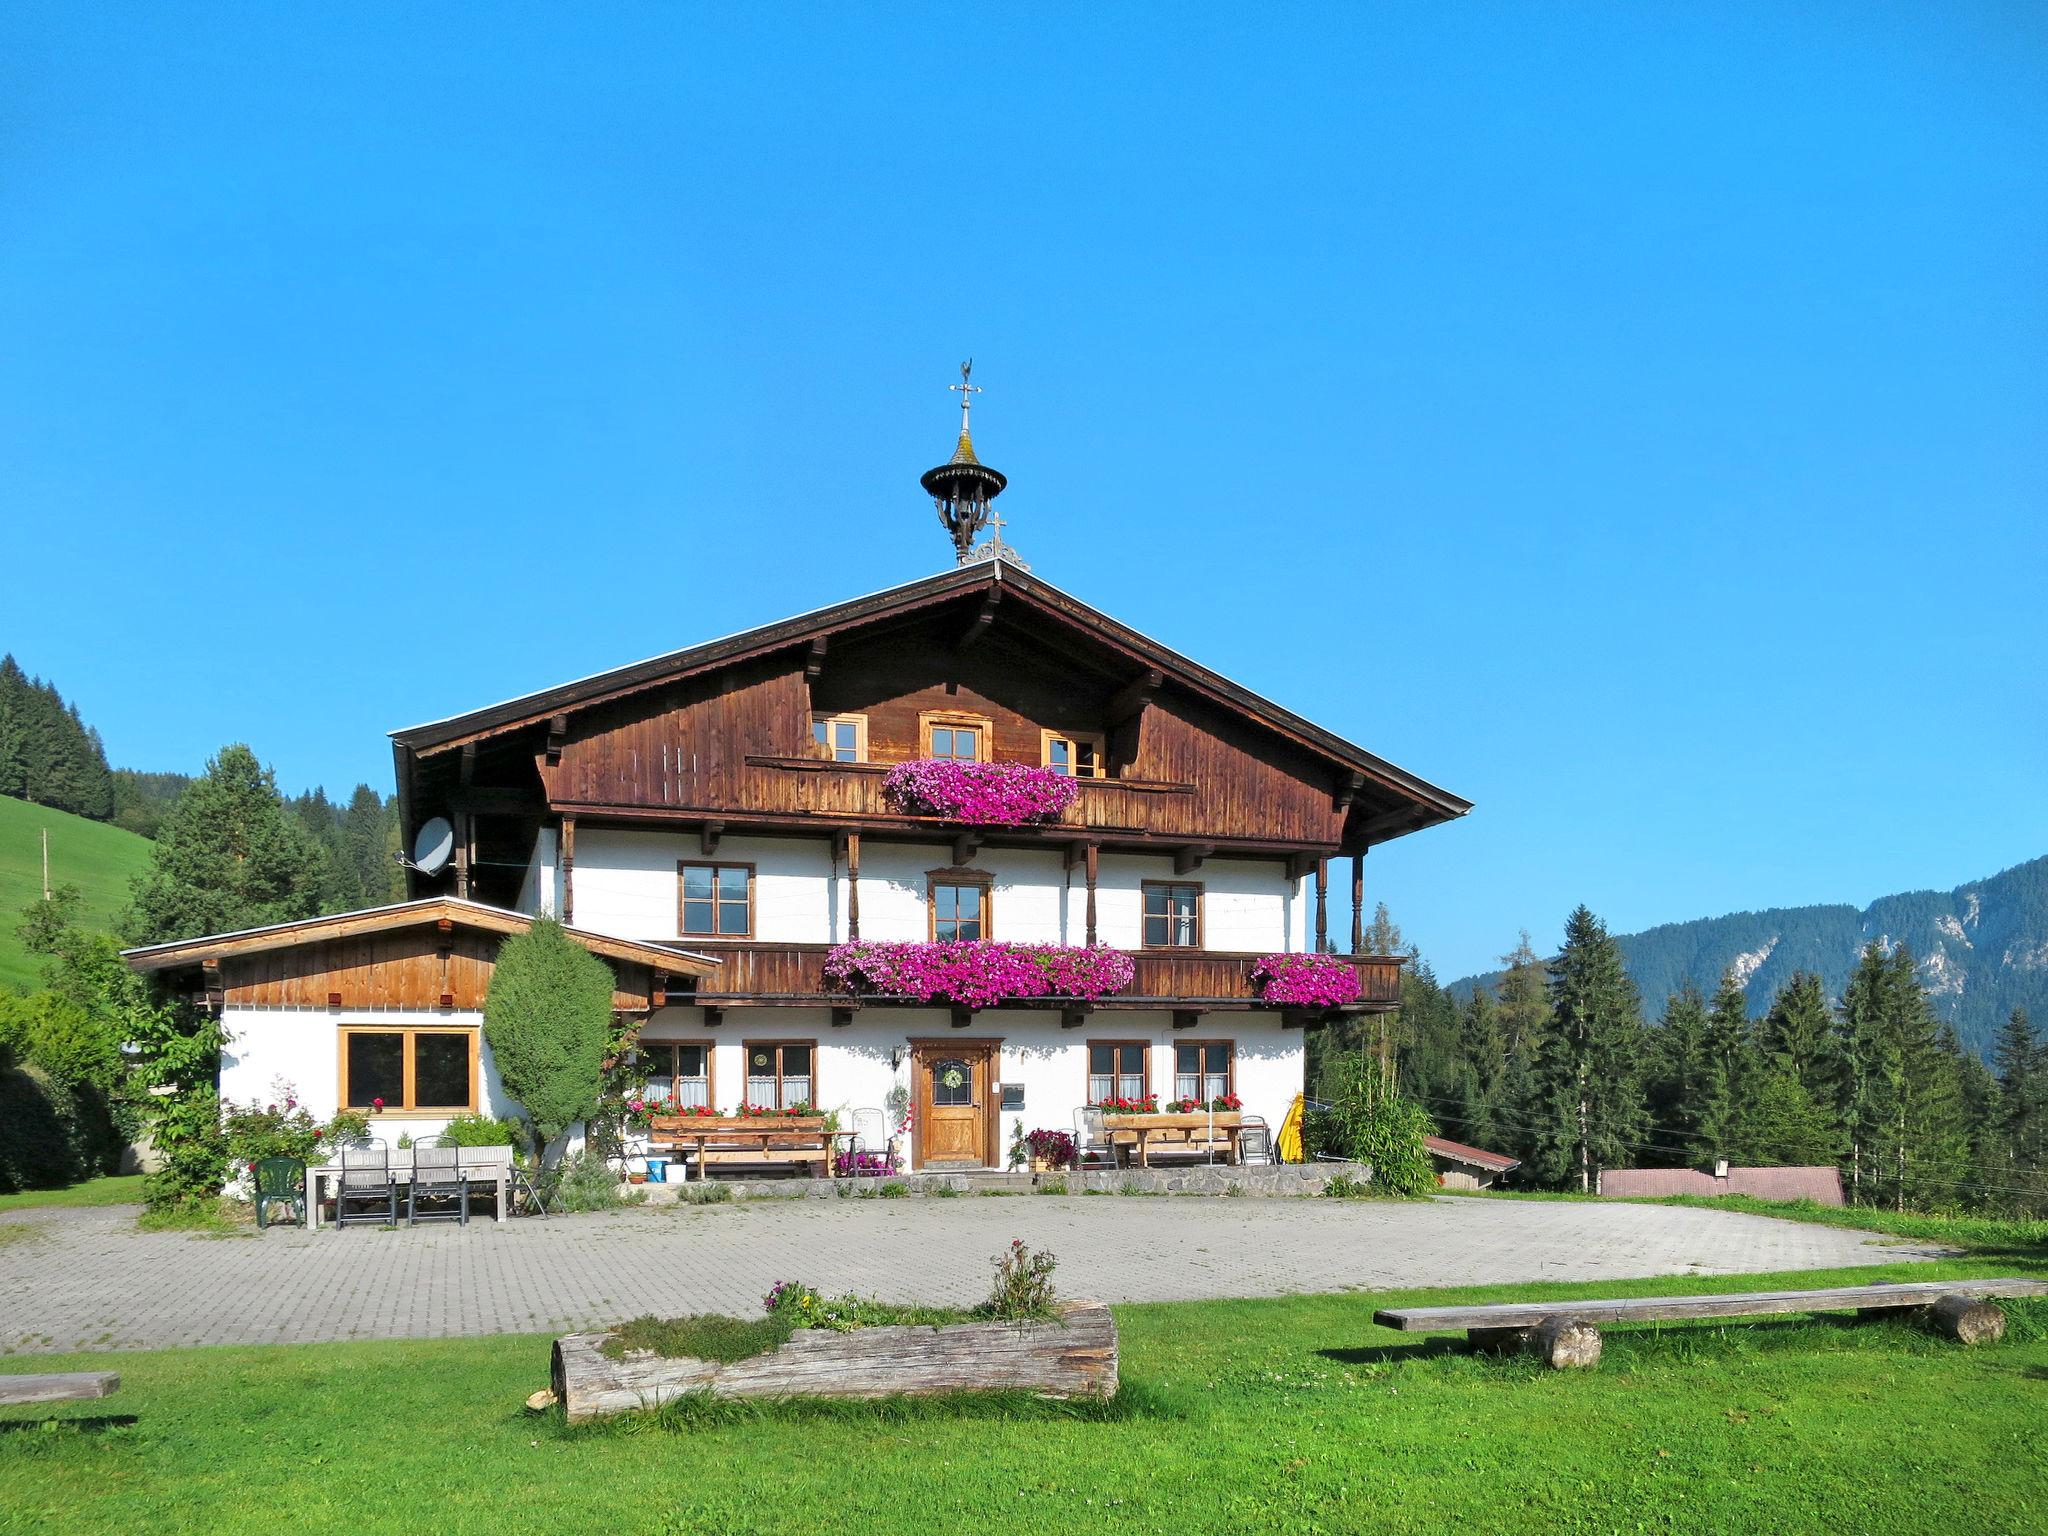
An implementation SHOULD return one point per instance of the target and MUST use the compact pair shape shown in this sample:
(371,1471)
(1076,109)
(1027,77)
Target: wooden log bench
(68,1386)
(1074,1356)
(1566,1334)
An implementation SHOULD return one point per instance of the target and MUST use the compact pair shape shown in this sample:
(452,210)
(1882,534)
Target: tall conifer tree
(1589,1074)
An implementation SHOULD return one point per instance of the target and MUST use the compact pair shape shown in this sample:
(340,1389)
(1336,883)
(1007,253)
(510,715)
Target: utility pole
(46,863)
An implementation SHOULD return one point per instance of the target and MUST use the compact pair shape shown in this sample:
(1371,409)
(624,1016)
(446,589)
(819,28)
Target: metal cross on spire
(967,393)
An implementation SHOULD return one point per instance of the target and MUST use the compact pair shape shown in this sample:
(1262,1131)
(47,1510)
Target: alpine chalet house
(967,849)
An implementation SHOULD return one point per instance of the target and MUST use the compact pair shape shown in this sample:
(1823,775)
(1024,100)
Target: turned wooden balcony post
(1358,902)
(1322,906)
(568,870)
(1090,863)
(853,885)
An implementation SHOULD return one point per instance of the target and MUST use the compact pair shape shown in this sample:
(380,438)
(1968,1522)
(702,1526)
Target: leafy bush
(36,1150)
(186,1132)
(1345,1187)
(1023,1287)
(1364,1124)
(77,1068)
(281,1127)
(548,1018)
(585,1182)
(483,1131)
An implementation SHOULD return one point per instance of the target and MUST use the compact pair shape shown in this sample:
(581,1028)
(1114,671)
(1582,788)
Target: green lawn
(96,858)
(1295,1415)
(113,1189)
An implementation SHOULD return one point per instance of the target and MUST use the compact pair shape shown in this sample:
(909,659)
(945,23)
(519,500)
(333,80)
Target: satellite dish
(434,847)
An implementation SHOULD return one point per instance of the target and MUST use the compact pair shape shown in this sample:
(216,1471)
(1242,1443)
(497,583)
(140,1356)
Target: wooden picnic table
(1175,1129)
(480,1165)
(746,1139)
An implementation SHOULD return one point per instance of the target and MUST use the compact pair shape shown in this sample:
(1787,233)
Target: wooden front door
(956,1103)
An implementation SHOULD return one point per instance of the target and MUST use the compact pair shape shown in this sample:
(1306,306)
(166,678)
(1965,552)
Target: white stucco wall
(271,1053)
(626,884)
(854,1069)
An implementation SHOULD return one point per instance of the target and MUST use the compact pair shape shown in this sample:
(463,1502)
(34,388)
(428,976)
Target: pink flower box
(978,973)
(980,794)
(1306,981)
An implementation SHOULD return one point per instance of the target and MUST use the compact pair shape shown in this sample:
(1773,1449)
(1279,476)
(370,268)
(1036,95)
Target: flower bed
(977,973)
(980,794)
(1306,981)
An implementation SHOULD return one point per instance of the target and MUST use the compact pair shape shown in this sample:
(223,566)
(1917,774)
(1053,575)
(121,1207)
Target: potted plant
(1051,1151)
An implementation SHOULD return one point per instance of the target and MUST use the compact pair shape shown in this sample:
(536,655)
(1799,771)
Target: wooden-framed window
(1079,756)
(842,738)
(1203,1069)
(955,737)
(715,901)
(1118,1069)
(679,1072)
(782,1074)
(1173,914)
(961,905)
(428,1071)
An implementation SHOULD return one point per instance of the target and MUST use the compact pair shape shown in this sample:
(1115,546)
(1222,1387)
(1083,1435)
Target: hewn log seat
(1566,1332)
(796,1140)
(61,1387)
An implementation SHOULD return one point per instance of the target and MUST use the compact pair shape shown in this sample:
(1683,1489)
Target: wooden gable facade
(720,737)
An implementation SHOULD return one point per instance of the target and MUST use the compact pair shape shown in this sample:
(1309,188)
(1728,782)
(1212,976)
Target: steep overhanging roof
(453,910)
(1433,804)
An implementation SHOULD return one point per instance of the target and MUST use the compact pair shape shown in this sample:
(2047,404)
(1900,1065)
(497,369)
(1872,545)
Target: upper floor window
(957,738)
(1079,757)
(1173,915)
(960,909)
(717,900)
(844,738)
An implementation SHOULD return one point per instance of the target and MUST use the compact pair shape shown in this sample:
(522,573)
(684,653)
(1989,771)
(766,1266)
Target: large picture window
(780,1073)
(1116,1070)
(678,1072)
(1173,915)
(1201,1069)
(717,900)
(409,1069)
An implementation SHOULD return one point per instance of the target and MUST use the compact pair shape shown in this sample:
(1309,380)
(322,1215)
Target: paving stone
(91,1281)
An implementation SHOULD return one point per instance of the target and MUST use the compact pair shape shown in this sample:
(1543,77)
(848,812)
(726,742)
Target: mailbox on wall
(1013,1096)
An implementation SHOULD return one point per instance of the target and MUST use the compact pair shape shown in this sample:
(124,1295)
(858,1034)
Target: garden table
(480,1165)
(746,1139)
(1176,1130)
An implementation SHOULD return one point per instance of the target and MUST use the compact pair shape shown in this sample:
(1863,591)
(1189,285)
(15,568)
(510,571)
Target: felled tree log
(1967,1319)
(1074,1356)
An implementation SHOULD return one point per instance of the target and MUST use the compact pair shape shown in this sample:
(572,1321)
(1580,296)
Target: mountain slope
(1982,949)
(97,858)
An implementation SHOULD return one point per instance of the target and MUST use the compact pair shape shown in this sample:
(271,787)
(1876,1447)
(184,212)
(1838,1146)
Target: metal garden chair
(437,1176)
(1091,1139)
(1254,1140)
(280,1181)
(366,1181)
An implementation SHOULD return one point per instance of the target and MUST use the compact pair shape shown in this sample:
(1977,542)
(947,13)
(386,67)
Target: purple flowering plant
(980,794)
(977,973)
(1306,981)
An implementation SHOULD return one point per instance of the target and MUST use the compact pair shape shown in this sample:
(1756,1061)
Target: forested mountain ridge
(1980,950)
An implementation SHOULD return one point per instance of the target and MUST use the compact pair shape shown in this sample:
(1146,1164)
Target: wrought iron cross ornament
(967,391)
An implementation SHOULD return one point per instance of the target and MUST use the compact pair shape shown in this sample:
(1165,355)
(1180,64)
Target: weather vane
(967,392)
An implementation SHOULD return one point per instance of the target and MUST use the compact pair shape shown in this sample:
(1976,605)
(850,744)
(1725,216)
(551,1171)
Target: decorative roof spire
(963,487)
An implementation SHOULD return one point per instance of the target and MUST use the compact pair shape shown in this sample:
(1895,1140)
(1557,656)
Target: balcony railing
(755,972)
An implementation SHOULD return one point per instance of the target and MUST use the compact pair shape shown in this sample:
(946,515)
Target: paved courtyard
(87,1279)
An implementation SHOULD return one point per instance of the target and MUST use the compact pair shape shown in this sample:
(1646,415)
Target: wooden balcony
(757,974)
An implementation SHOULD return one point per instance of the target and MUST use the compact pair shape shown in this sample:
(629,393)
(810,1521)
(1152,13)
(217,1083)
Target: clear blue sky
(1632,418)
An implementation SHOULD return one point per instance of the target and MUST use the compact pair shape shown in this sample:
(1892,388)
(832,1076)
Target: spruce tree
(1589,1104)
(1681,1074)
(366,839)
(2020,1164)
(1731,1065)
(1486,1113)
(13,728)
(1798,1031)
(228,856)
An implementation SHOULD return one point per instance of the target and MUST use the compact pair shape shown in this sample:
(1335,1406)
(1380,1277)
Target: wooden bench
(794,1139)
(66,1387)
(1565,1333)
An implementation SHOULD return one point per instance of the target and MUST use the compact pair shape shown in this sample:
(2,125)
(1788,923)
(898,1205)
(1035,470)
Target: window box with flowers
(1306,980)
(978,973)
(980,794)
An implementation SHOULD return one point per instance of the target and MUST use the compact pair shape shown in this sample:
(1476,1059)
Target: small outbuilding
(1461,1167)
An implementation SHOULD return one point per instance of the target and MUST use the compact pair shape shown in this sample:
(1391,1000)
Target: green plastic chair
(280,1181)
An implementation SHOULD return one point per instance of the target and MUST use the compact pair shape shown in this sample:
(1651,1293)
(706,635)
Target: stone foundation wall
(1188,1179)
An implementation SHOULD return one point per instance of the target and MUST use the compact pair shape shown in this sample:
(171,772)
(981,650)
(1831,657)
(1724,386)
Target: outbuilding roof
(1477,1156)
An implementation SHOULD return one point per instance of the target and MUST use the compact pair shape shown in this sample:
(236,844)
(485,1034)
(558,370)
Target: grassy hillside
(96,858)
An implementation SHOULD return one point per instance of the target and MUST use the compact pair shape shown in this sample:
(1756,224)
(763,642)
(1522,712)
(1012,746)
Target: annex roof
(1477,1156)
(1012,585)
(405,914)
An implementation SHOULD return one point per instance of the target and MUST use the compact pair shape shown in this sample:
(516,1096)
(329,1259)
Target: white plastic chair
(870,1132)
